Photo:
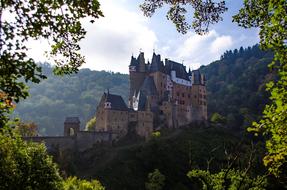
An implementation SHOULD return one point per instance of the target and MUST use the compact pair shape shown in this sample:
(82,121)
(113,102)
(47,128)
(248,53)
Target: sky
(124,31)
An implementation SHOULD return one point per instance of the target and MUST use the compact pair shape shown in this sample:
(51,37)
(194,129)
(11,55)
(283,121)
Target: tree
(72,183)
(90,126)
(56,21)
(205,13)
(227,179)
(270,16)
(216,118)
(27,129)
(155,181)
(26,165)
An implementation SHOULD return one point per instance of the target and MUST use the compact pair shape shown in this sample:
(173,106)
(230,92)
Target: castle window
(108,105)
(194,96)
(183,95)
(188,95)
(177,93)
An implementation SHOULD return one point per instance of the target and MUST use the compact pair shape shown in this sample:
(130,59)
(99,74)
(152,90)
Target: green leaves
(271,17)
(205,13)
(26,165)
(227,179)
(57,21)
(73,183)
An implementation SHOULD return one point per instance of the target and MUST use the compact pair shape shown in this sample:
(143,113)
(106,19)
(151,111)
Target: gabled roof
(179,69)
(72,120)
(117,102)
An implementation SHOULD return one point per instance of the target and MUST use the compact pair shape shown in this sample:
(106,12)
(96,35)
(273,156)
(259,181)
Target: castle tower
(71,126)
(199,102)
(137,70)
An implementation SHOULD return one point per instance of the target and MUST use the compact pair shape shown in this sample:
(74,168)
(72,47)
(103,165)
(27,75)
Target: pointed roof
(72,120)
(196,77)
(133,61)
(142,99)
(148,87)
(117,102)
(156,63)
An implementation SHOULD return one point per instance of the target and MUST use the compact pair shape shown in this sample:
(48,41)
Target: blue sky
(124,31)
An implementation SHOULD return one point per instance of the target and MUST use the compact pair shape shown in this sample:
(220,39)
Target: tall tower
(138,71)
(199,101)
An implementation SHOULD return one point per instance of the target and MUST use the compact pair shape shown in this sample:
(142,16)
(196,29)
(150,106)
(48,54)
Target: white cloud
(195,50)
(220,44)
(111,40)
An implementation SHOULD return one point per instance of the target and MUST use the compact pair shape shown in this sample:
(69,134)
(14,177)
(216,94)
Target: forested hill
(76,95)
(235,84)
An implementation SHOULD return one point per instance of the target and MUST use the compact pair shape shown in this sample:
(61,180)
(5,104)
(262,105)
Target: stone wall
(81,141)
(87,139)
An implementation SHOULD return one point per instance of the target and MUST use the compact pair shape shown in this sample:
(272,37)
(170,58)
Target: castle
(160,94)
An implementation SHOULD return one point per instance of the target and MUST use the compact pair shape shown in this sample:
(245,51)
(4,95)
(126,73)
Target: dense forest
(235,86)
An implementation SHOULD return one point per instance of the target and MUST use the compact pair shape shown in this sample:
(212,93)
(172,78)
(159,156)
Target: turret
(137,70)
(141,61)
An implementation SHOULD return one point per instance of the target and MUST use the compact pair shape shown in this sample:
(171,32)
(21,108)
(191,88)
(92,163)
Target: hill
(76,95)
(235,86)
(174,153)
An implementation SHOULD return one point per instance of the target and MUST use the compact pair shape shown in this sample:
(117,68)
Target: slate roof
(133,61)
(72,120)
(148,86)
(197,77)
(156,64)
(142,101)
(117,102)
(179,69)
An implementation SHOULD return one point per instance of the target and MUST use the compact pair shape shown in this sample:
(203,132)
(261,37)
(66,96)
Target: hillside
(235,86)
(76,95)
(174,153)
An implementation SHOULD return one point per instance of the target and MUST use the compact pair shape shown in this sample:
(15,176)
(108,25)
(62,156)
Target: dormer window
(108,105)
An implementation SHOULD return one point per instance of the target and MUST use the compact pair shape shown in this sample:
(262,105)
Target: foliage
(27,129)
(173,153)
(228,179)
(55,21)
(236,85)
(56,98)
(155,134)
(271,17)
(217,118)
(25,165)
(73,183)
(90,126)
(205,13)
(155,181)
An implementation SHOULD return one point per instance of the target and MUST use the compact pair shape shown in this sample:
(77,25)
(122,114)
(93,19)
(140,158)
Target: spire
(141,61)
